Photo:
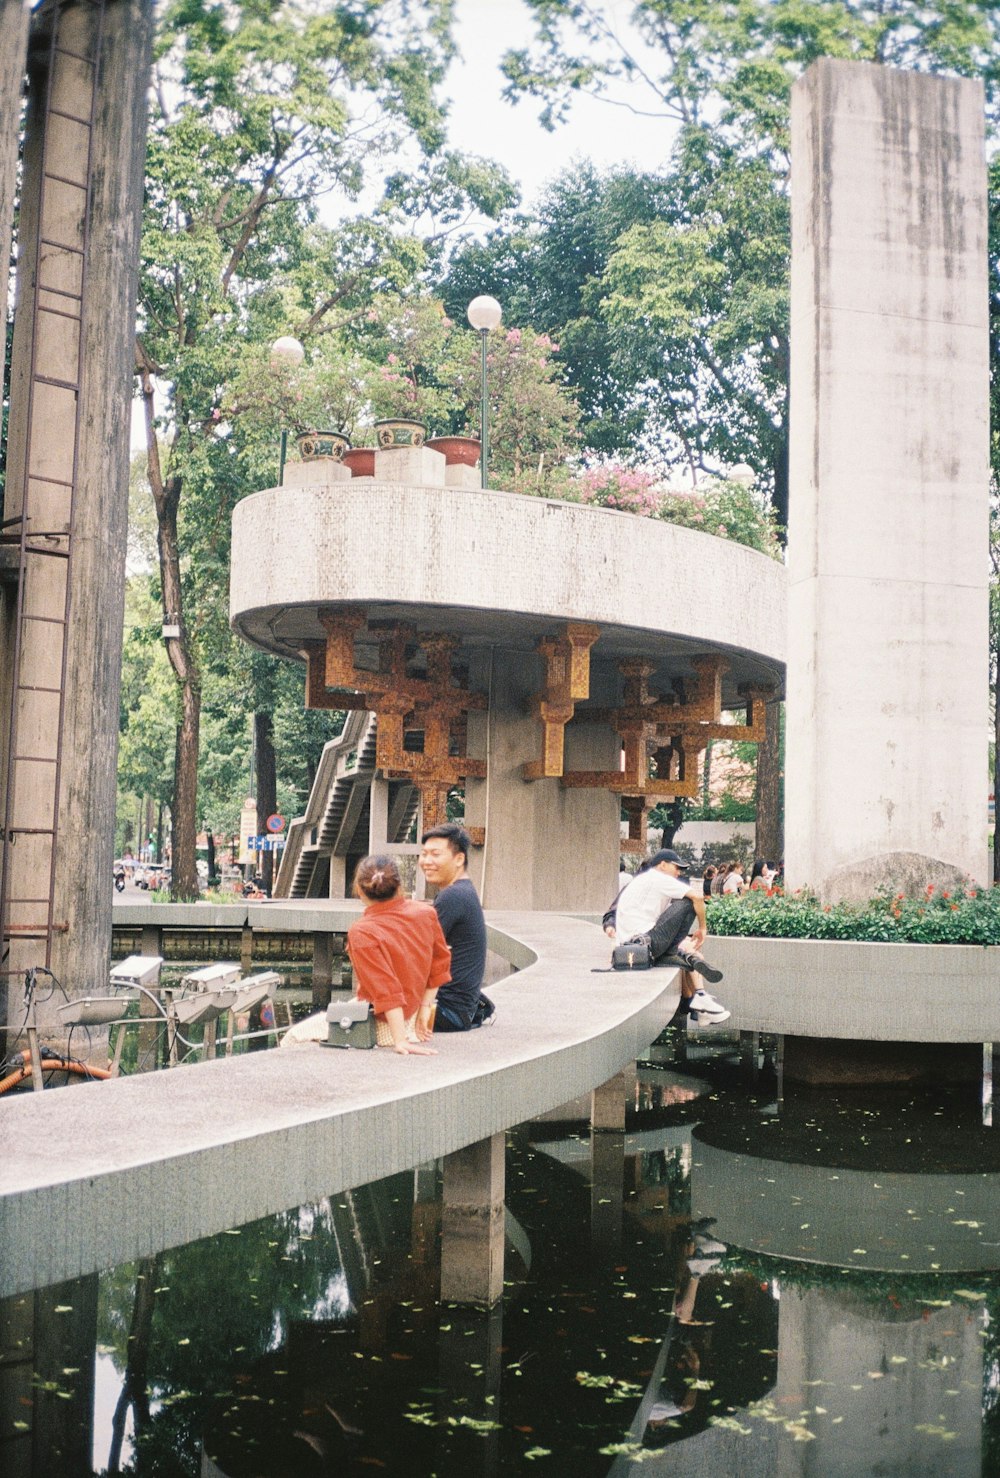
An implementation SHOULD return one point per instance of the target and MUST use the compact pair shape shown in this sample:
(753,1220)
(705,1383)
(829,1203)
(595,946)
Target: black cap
(666,855)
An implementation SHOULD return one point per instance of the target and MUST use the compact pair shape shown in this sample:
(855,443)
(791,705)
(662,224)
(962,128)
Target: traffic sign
(275,823)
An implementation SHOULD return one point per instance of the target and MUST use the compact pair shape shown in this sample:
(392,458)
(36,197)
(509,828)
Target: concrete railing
(862,991)
(122,1169)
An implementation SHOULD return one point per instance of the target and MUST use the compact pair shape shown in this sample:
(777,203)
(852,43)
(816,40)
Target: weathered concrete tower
(887,655)
(65,497)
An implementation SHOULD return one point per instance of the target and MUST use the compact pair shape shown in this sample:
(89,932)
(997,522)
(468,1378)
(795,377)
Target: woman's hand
(423,1026)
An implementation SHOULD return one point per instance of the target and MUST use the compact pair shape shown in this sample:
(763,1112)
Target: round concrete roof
(502,569)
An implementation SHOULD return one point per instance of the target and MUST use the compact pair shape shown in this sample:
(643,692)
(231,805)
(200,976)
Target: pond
(725,1288)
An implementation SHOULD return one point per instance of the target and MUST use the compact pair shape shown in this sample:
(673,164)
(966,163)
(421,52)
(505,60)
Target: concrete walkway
(109,1172)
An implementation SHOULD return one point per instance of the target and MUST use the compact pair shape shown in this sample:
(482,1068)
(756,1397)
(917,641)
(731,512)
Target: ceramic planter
(360,460)
(399,431)
(322,446)
(458,451)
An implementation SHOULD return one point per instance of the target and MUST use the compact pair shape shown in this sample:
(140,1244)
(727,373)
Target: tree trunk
(210,840)
(769,839)
(673,820)
(166,498)
(996,780)
(267,780)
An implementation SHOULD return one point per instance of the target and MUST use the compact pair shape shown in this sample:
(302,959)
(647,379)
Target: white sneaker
(700,1266)
(705,1010)
(708,1246)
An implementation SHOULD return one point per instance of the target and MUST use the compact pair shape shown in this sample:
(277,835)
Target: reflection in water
(720,1289)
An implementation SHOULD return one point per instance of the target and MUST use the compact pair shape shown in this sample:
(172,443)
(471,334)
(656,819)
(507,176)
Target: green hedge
(939,917)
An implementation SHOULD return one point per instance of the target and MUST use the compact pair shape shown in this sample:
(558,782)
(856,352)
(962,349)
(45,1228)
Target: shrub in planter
(940,916)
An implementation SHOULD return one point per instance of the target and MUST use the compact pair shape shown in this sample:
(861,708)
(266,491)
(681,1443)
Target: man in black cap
(660,904)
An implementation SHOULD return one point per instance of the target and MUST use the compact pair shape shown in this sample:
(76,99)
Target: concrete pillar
(13,53)
(99,354)
(887,655)
(47,1347)
(472,1222)
(322,970)
(546,847)
(470,1377)
(920,1370)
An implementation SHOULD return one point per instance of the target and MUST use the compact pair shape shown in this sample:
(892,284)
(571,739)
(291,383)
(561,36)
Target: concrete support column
(61,436)
(13,53)
(47,1347)
(470,1374)
(607,1158)
(546,847)
(472,1222)
(322,970)
(887,655)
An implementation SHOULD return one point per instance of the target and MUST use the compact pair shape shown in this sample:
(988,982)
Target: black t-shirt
(464,928)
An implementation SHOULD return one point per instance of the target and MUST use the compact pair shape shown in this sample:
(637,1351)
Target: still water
(724,1289)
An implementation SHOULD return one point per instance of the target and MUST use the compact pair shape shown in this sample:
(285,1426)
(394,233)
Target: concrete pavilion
(559,661)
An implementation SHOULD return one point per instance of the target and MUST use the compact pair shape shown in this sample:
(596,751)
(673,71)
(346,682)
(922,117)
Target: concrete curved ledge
(861,991)
(102,1174)
(497,566)
(904,1222)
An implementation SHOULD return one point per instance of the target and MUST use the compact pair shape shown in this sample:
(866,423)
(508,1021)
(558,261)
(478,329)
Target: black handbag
(634,954)
(350,1024)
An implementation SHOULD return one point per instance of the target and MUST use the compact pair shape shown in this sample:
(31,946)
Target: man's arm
(697,897)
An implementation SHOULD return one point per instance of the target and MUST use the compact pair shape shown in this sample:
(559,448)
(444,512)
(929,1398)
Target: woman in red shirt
(398,954)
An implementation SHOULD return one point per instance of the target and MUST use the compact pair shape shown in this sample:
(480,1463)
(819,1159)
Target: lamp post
(484,313)
(286,353)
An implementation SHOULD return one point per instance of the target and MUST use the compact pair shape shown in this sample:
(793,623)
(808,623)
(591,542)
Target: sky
(482,123)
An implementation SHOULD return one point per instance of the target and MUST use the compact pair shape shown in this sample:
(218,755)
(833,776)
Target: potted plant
(360,460)
(458,451)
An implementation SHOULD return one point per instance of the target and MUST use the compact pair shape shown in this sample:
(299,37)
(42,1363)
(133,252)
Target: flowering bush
(611,486)
(938,917)
(726,509)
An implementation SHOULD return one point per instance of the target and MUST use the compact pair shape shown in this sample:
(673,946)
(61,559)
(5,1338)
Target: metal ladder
(43,530)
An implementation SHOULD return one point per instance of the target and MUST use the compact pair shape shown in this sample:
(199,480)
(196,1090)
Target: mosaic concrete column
(472,1222)
(887,704)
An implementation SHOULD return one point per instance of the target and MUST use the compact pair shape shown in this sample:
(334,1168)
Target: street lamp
(484,313)
(742,474)
(286,353)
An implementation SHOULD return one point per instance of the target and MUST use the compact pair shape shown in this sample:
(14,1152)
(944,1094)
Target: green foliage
(688,298)
(938,917)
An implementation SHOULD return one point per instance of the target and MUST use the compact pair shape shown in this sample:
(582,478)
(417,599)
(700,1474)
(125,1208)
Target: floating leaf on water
(897,1359)
(534,1452)
(71,1370)
(935,1303)
(967,1293)
(63,1309)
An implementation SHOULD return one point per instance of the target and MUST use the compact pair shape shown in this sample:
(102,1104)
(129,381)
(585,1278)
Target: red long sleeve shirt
(398,952)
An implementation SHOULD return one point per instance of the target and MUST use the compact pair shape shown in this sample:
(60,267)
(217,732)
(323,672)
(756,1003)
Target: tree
(546,272)
(259,110)
(696,301)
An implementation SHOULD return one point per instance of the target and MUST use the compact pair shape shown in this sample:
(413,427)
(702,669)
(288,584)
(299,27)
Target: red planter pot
(459,451)
(361,461)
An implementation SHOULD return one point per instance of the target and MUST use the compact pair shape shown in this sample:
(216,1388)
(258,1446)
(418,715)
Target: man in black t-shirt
(444,859)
